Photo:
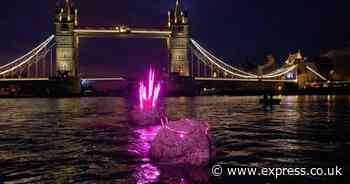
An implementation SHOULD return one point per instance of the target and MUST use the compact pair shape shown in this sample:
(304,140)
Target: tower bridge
(68,32)
(57,58)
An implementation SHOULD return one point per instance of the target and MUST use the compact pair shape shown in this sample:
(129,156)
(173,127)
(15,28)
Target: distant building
(268,66)
(338,61)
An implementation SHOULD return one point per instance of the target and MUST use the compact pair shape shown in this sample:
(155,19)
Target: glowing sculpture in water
(149,96)
(183,142)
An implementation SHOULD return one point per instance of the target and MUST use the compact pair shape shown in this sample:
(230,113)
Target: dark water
(101,140)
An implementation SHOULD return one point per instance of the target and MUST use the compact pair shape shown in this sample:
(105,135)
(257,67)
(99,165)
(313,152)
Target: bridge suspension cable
(280,70)
(237,72)
(27,54)
(219,62)
(27,57)
(316,73)
(279,73)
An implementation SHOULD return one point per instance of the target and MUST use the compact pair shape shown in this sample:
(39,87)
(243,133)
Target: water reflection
(142,144)
(97,140)
(146,172)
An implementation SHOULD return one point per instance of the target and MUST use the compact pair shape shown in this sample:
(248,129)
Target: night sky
(233,29)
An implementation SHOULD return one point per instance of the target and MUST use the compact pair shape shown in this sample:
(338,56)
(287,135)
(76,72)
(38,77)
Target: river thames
(103,140)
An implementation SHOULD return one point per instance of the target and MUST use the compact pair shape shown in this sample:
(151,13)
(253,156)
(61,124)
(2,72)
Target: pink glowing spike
(144,92)
(141,95)
(150,83)
(148,95)
(156,94)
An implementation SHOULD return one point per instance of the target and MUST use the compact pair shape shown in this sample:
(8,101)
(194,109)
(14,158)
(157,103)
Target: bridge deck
(122,79)
(122,32)
(24,79)
(243,80)
(46,79)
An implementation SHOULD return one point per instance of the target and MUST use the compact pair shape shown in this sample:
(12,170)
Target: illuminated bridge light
(150,32)
(123,30)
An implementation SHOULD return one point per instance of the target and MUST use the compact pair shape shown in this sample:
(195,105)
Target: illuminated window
(180,58)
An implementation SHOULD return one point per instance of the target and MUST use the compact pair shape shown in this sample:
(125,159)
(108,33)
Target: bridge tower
(299,59)
(66,20)
(67,44)
(178,42)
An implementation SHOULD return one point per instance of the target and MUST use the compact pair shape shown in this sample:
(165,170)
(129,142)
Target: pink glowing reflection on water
(148,96)
(146,172)
(142,145)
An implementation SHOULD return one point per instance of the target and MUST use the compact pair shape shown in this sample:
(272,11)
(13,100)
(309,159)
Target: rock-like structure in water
(184,142)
